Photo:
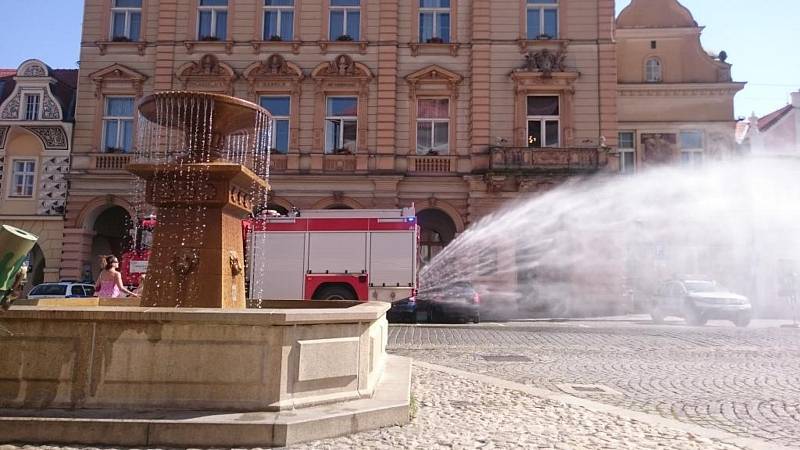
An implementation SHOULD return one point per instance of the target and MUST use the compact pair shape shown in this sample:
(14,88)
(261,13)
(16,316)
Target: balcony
(111,162)
(550,159)
(431,165)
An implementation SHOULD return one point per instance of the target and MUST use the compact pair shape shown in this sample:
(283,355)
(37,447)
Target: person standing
(109,282)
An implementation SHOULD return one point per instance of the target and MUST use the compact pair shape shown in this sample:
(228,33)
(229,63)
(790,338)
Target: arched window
(653,70)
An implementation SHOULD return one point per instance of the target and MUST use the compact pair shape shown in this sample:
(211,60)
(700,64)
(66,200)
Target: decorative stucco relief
(11,108)
(50,109)
(53,138)
(545,61)
(3,135)
(208,74)
(34,69)
(117,75)
(273,74)
(53,187)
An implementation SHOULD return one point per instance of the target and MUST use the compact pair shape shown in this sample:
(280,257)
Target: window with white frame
(542,19)
(345,20)
(280,108)
(652,70)
(434,21)
(692,147)
(126,20)
(433,126)
(23,178)
(32,102)
(627,152)
(118,125)
(341,124)
(278,20)
(212,20)
(544,129)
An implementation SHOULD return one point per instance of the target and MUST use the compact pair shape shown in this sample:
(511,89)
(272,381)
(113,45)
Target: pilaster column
(481,75)
(165,50)
(386,143)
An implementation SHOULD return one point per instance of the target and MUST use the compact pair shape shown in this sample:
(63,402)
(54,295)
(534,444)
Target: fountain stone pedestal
(197,245)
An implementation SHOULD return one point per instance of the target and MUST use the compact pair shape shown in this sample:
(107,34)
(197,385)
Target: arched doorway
(437,230)
(112,236)
(338,206)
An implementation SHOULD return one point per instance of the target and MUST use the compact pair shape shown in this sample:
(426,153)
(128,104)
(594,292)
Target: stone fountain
(191,366)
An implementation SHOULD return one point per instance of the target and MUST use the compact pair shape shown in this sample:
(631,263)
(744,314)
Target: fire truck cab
(333,254)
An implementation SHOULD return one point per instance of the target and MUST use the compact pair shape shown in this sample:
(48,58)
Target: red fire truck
(133,263)
(333,254)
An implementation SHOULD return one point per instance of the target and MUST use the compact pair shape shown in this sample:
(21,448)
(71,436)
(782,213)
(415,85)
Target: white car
(697,301)
(61,290)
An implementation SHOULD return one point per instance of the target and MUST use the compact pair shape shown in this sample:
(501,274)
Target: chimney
(796,99)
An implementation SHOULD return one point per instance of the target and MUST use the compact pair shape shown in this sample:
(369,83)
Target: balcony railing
(431,165)
(111,162)
(544,159)
(339,163)
(278,163)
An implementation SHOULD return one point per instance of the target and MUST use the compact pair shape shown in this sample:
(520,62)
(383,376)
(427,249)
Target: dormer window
(126,20)
(653,70)
(32,102)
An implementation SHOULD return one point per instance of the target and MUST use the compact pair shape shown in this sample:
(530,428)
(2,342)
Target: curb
(594,406)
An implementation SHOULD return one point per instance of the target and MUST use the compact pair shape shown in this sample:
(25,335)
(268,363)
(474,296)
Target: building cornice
(678,89)
(650,33)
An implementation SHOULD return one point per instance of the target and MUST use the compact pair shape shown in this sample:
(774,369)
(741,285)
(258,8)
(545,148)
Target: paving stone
(743,381)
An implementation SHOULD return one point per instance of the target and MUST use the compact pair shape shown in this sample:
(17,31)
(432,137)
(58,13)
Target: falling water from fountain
(186,141)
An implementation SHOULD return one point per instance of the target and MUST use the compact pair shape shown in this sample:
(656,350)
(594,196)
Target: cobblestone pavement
(743,381)
(453,412)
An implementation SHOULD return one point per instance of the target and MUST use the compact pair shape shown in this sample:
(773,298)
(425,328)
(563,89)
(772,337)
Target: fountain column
(189,268)
(197,179)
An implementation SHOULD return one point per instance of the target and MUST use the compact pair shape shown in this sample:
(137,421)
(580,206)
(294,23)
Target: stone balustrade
(544,159)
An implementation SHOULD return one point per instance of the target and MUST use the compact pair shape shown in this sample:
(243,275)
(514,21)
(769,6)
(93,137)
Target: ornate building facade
(456,106)
(675,100)
(37,106)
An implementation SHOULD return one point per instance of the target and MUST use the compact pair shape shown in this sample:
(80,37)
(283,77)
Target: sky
(759,37)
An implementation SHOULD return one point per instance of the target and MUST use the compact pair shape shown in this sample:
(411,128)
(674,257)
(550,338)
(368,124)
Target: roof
(64,89)
(766,122)
(656,14)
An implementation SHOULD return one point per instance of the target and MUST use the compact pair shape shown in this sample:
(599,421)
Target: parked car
(457,301)
(697,301)
(403,311)
(61,290)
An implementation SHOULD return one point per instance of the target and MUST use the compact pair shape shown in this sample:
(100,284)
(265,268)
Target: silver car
(61,290)
(697,301)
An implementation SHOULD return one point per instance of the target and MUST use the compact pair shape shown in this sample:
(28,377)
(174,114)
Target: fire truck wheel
(335,292)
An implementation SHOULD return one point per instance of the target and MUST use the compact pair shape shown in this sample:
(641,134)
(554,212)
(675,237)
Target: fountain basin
(137,358)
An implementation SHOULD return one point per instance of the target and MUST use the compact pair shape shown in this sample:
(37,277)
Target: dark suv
(457,301)
(697,301)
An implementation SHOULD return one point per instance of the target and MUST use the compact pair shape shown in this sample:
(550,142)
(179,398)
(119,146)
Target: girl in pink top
(109,283)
